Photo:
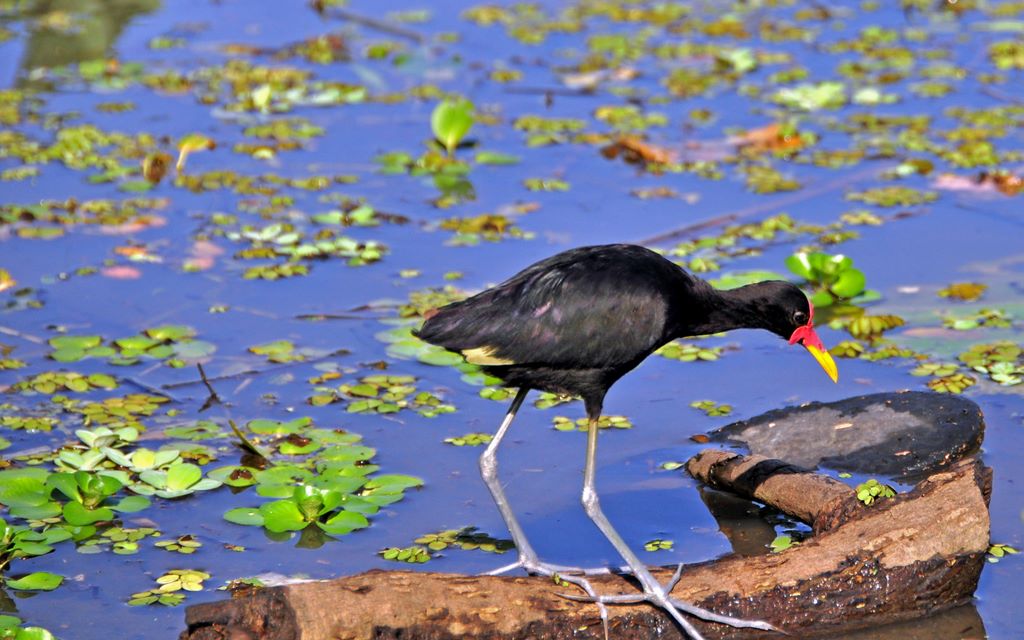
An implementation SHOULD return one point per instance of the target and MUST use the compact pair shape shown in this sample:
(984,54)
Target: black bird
(577,322)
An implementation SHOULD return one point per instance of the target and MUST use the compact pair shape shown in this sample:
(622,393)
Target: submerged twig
(372,23)
(773,204)
(212,398)
(145,386)
(254,372)
(1001,95)
(245,442)
(14,333)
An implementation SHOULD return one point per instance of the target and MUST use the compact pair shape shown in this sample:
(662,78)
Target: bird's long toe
(537,567)
(711,616)
(658,595)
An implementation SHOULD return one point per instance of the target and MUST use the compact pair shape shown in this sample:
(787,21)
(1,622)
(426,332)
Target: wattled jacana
(577,322)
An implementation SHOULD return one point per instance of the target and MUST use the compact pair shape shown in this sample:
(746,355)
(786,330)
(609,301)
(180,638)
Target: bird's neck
(720,310)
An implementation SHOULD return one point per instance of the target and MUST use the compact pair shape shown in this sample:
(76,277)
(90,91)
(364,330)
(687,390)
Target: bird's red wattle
(806,335)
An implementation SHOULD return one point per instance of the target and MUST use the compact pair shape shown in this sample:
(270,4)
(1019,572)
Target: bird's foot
(563,575)
(535,566)
(659,595)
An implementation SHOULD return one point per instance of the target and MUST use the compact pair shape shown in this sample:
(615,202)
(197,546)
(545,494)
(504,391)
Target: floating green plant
(451,121)
(832,277)
(658,544)
(872,490)
(562,423)
(712,408)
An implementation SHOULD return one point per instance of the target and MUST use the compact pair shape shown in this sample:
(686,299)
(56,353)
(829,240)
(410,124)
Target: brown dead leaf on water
(590,80)
(154,166)
(637,151)
(139,224)
(771,137)
(1005,183)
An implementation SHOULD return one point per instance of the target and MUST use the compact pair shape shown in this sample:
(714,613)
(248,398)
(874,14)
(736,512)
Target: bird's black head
(780,307)
(783,309)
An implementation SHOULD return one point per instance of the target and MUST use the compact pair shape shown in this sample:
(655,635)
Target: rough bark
(899,559)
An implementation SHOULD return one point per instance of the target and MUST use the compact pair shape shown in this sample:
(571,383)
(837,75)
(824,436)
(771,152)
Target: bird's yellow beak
(806,336)
(824,358)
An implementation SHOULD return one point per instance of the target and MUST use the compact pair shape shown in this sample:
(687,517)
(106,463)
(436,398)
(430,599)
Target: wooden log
(899,559)
(818,500)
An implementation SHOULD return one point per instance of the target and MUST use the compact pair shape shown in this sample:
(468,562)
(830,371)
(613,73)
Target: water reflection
(741,521)
(63,32)
(961,623)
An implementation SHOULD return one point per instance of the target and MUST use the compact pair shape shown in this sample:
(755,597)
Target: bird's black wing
(594,307)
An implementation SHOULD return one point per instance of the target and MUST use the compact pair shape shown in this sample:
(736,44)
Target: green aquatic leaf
(37,581)
(24,487)
(75,513)
(451,120)
(182,476)
(282,515)
(850,283)
(245,515)
(131,504)
(344,522)
(495,158)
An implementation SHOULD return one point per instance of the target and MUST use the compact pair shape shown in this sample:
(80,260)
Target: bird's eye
(800,317)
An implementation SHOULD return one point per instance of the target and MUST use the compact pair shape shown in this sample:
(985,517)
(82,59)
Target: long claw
(505,569)
(674,580)
(571,575)
(711,616)
(653,591)
(626,598)
(591,596)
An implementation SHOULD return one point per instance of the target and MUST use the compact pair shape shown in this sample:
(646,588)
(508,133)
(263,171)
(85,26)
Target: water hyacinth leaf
(245,515)
(360,505)
(344,522)
(24,487)
(38,581)
(66,484)
(799,263)
(274,490)
(850,283)
(76,514)
(343,485)
(182,476)
(308,500)
(131,504)
(822,299)
(389,483)
(282,515)
(451,120)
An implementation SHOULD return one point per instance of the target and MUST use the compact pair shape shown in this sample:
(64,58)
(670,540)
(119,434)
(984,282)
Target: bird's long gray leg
(653,591)
(528,558)
(489,473)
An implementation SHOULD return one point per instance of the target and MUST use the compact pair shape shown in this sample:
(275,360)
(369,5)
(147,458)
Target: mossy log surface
(899,559)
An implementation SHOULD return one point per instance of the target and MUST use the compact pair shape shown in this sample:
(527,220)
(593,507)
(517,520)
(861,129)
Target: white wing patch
(485,356)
